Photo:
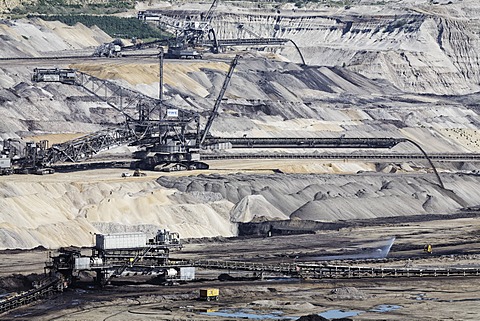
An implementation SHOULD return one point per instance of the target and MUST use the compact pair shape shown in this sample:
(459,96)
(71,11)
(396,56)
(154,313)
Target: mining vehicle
(189,32)
(182,52)
(5,165)
(63,75)
(209,294)
(109,50)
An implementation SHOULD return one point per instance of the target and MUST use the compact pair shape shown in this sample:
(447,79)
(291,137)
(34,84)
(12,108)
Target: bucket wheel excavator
(178,148)
(189,33)
(168,138)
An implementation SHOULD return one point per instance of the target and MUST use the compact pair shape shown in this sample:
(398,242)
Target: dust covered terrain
(270,95)
(402,69)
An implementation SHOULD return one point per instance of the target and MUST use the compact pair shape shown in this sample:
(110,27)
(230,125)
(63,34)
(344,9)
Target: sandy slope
(65,209)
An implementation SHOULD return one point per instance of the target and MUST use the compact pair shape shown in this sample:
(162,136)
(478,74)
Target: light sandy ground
(436,51)
(64,209)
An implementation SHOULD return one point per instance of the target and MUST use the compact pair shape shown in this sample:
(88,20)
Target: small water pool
(249,314)
(337,314)
(279,315)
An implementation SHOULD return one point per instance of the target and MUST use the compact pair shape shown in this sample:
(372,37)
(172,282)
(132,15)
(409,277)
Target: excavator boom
(214,112)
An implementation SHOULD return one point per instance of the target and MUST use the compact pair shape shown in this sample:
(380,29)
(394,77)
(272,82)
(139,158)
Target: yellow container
(209,294)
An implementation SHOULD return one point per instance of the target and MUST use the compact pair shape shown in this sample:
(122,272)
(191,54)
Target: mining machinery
(171,138)
(6,158)
(63,75)
(27,158)
(123,254)
(193,33)
(5,165)
(110,50)
(177,147)
(189,33)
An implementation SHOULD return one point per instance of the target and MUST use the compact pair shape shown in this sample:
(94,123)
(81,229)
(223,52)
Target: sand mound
(36,37)
(63,210)
(331,198)
(253,207)
(348,293)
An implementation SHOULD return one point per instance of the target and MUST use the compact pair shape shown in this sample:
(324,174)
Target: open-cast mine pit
(315,160)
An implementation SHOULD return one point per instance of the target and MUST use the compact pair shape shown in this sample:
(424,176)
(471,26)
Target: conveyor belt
(363,156)
(76,57)
(326,271)
(122,163)
(302,270)
(248,42)
(340,142)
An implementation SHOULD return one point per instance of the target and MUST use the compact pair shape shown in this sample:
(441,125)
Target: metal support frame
(285,142)
(328,271)
(86,146)
(134,105)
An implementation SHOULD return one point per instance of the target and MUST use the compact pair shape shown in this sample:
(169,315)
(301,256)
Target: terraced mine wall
(419,49)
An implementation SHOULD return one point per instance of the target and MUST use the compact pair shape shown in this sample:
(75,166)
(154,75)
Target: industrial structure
(192,35)
(123,254)
(188,34)
(110,50)
(114,255)
(172,135)
(128,255)
(171,138)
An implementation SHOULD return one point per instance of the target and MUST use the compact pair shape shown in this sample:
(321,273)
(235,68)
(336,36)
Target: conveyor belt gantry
(340,142)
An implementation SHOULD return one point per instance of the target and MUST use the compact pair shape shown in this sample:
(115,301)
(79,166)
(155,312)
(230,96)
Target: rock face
(417,47)
(36,37)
